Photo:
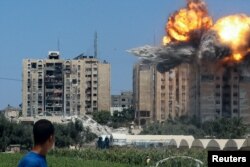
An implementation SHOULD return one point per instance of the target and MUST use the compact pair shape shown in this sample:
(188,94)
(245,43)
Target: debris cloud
(191,36)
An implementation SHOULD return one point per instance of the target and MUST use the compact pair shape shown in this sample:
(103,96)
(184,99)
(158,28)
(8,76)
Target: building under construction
(54,86)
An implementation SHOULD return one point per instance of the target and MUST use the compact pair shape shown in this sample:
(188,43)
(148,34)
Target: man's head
(43,131)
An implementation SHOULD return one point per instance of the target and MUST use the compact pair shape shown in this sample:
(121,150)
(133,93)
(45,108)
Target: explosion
(191,36)
(186,21)
(234,32)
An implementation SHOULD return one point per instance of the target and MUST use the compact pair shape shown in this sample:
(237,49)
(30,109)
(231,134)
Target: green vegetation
(118,119)
(102,117)
(13,133)
(132,156)
(66,134)
(123,118)
(10,160)
(224,128)
(116,157)
(72,134)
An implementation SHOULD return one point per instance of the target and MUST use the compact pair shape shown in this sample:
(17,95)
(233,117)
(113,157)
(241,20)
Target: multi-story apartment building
(159,96)
(218,91)
(65,87)
(206,91)
(124,100)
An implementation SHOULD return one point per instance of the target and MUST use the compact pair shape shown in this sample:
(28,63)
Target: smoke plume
(192,37)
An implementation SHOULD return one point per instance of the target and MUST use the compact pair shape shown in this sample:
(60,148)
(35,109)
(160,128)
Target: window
(207,78)
(217,86)
(123,99)
(235,102)
(235,94)
(88,69)
(33,65)
(74,81)
(226,86)
(217,102)
(235,111)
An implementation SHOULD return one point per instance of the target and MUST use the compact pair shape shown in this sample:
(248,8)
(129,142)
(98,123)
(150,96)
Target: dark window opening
(33,65)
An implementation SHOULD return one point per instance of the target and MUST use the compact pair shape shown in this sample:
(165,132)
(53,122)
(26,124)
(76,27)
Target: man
(44,138)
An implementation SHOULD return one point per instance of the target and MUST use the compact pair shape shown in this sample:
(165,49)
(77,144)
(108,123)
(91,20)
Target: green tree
(72,133)
(122,118)
(225,128)
(14,133)
(173,127)
(219,128)
(102,117)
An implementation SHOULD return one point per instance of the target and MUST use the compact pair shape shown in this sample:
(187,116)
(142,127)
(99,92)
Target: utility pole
(95,45)
(58,44)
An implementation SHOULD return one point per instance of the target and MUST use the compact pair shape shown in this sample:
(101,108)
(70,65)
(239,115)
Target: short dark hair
(42,130)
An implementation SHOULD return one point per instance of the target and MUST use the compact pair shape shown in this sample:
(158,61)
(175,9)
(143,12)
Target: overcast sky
(29,29)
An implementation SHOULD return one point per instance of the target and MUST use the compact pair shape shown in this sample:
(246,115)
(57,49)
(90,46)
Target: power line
(11,79)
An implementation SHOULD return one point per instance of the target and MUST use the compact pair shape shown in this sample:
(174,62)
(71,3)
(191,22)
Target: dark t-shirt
(33,159)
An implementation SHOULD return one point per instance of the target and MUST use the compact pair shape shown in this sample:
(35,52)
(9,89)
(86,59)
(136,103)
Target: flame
(183,22)
(166,40)
(233,31)
(237,56)
(189,23)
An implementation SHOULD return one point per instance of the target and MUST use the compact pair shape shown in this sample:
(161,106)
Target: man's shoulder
(30,160)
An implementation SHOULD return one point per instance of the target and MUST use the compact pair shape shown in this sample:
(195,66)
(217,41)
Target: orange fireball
(182,23)
(234,31)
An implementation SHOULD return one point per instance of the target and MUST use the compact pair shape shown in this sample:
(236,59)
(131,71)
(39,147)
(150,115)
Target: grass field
(11,160)
(114,157)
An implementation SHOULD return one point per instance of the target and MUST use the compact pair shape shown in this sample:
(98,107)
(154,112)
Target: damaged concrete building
(207,91)
(219,91)
(159,96)
(54,86)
